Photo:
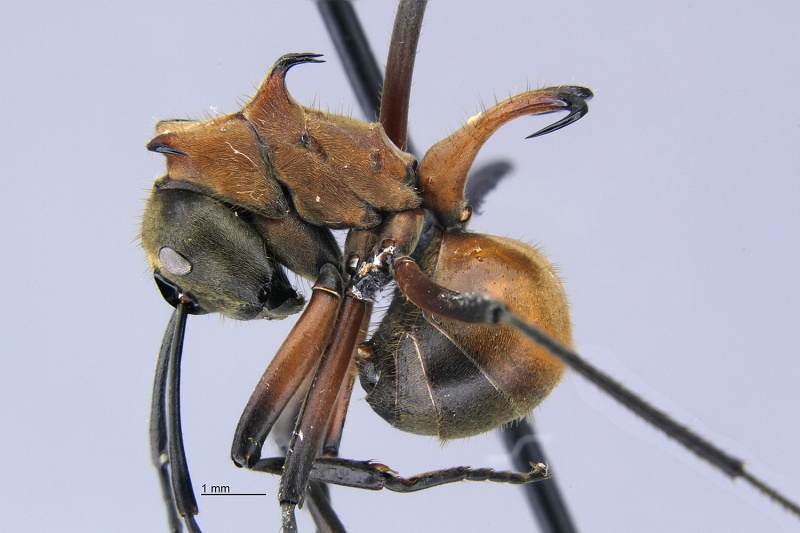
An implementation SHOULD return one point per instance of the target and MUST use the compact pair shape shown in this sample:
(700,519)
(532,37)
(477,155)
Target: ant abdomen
(415,367)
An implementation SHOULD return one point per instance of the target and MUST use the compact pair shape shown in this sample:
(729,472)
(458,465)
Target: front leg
(295,360)
(318,406)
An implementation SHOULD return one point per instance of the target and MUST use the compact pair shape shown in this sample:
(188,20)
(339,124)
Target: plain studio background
(671,210)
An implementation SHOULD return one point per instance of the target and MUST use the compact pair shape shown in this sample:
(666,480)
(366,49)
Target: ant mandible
(478,332)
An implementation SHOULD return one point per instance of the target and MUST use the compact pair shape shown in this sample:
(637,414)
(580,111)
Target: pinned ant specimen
(478,332)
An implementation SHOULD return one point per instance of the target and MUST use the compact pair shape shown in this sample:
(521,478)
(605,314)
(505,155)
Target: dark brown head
(207,250)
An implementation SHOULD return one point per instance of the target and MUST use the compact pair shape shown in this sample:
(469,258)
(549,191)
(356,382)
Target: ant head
(206,252)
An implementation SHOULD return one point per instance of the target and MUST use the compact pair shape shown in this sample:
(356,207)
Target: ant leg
(399,70)
(296,359)
(545,499)
(158,424)
(317,407)
(352,46)
(375,476)
(318,495)
(181,482)
(317,498)
(166,436)
(333,436)
(426,294)
(319,504)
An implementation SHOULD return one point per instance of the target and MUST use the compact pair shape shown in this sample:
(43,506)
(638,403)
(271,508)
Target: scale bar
(231,494)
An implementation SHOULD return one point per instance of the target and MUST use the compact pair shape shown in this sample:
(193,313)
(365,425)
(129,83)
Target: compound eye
(172,294)
(263,294)
(173,262)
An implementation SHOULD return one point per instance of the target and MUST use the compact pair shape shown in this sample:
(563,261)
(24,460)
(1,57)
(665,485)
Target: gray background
(671,210)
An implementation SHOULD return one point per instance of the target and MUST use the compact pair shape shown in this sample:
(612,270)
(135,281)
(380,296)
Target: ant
(219,235)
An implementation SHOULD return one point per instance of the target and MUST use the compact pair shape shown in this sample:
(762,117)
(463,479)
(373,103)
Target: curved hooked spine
(444,169)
